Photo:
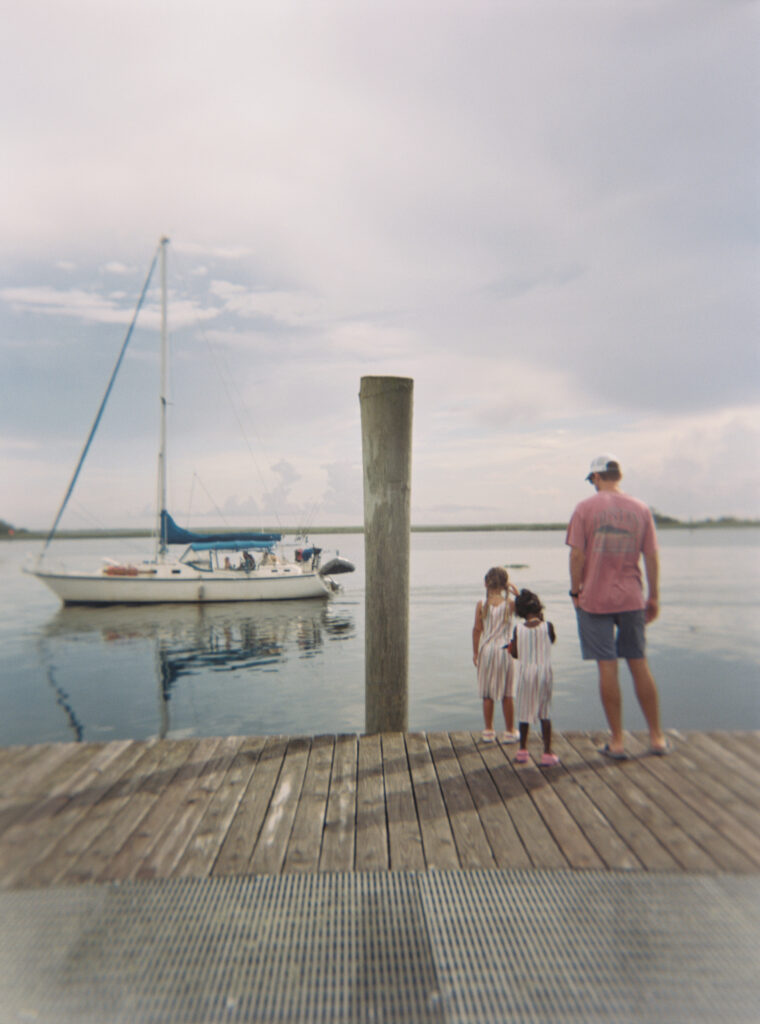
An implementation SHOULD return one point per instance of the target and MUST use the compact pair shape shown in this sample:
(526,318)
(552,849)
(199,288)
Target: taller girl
(490,635)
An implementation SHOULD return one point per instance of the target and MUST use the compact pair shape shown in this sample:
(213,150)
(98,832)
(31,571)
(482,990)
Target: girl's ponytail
(496,579)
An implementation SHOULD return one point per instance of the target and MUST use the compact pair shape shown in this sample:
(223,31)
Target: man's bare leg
(648,698)
(612,702)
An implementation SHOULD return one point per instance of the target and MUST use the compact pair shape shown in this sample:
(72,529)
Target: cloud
(546,215)
(343,494)
(93,307)
(88,306)
(292,309)
(379,343)
(236,508)
(215,252)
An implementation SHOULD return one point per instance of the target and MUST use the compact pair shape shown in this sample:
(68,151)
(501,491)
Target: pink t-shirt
(613,530)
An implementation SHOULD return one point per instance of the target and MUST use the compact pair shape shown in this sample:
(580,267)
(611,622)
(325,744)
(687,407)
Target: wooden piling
(386,416)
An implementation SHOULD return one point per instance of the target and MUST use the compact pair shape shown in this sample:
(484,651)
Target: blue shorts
(609,637)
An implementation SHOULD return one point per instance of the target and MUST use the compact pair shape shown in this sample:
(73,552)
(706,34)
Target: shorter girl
(531,645)
(493,618)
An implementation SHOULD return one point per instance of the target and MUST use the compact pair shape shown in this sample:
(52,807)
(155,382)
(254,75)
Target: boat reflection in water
(203,639)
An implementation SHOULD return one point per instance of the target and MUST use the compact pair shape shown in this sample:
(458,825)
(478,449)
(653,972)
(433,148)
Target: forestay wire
(101,410)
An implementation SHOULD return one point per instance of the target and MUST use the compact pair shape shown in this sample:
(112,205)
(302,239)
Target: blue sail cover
(232,545)
(173,534)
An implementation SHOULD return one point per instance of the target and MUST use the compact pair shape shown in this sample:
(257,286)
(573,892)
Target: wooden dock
(78,813)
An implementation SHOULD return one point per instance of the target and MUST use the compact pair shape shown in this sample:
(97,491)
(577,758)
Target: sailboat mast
(160,538)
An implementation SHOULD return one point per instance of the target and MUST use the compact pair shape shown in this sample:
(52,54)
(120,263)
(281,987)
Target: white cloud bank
(545,213)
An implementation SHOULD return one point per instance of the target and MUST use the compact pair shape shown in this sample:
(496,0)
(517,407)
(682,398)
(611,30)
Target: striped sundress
(495,665)
(534,672)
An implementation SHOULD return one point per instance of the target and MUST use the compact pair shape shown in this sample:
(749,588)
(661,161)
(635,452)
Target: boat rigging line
(235,401)
(103,403)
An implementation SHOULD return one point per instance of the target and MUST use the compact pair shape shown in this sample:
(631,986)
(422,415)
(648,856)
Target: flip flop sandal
(509,737)
(660,751)
(614,755)
(521,756)
(488,735)
(549,760)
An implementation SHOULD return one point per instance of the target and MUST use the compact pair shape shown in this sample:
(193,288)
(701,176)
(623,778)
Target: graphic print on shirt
(616,531)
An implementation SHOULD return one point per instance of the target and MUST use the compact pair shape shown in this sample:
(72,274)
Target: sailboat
(217,566)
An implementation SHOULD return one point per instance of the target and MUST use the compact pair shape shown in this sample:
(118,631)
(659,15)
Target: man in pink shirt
(607,535)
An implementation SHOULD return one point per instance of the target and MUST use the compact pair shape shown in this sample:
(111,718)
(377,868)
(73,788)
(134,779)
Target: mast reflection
(63,700)
(197,639)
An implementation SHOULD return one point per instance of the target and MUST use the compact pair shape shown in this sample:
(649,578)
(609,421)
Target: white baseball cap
(602,463)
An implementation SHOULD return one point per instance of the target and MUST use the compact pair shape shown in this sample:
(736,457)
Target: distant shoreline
(666,524)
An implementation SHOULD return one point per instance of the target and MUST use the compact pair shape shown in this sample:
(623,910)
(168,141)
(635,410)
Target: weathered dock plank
(438,843)
(272,845)
(404,838)
(74,813)
(625,782)
(81,820)
(237,848)
(719,761)
(469,834)
(162,857)
(608,848)
(27,769)
(42,824)
(725,753)
(338,840)
(696,776)
(701,817)
(615,833)
(127,805)
(305,844)
(503,838)
(203,848)
(371,823)
(541,786)
(535,835)
(138,845)
(28,773)
(745,745)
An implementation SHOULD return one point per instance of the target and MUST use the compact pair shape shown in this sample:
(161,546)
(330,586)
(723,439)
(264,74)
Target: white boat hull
(175,583)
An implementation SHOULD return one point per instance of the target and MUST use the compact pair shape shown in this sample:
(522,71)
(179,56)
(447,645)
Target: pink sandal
(521,756)
(549,760)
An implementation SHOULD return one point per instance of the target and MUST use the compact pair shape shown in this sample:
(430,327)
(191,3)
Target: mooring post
(386,414)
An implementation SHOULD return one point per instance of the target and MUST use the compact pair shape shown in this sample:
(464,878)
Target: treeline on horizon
(9,532)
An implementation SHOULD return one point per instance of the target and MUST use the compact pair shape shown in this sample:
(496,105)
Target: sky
(544,212)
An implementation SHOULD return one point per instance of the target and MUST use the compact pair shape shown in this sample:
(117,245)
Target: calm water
(111,673)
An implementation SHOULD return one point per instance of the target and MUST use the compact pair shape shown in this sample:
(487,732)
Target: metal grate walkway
(386,947)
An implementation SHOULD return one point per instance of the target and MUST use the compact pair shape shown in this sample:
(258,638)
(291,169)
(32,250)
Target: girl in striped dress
(490,636)
(531,645)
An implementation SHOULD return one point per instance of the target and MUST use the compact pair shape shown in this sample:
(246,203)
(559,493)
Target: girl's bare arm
(477,631)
